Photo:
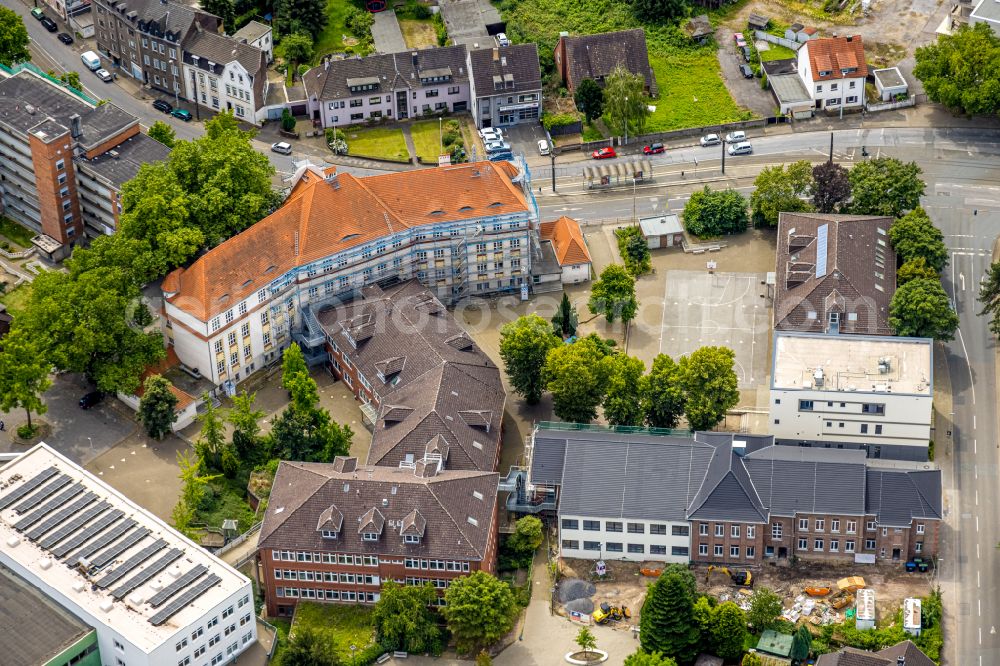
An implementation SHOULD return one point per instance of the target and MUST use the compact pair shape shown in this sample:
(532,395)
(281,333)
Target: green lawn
(17,298)
(426,139)
(347,625)
(226,498)
(15,232)
(331,40)
(384,143)
(692,92)
(776,52)
(591,133)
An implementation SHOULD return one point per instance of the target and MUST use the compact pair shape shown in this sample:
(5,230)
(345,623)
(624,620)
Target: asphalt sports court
(703,309)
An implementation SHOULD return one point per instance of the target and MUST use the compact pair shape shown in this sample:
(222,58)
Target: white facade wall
(593,544)
(839,416)
(503,108)
(113,645)
(430,99)
(233,89)
(826,93)
(575,273)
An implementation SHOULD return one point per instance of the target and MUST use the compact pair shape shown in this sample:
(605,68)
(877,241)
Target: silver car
(710,140)
(497,146)
(282,148)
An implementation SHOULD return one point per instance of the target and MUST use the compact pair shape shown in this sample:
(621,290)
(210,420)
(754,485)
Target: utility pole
(831,147)
(626,121)
(552,157)
(723,155)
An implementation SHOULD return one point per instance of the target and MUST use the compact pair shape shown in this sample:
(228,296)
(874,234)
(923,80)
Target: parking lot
(722,309)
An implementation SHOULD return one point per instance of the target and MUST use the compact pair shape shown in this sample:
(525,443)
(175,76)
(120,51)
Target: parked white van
(91,60)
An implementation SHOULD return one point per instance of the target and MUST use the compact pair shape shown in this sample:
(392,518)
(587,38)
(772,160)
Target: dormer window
(825,72)
(329,534)
(411,538)
(369,536)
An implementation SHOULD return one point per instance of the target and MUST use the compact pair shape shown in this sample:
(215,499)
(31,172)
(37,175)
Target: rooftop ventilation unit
(818,378)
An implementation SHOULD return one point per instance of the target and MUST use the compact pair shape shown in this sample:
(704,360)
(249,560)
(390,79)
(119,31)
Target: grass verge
(336,38)
(418,34)
(16,299)
(15,233)
(776,52)
(383,143)
(692,92)
(426,139)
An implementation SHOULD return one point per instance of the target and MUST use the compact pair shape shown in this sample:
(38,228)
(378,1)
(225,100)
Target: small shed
(865,614)
(758,22)
(912,619)
(792,31)
(889,82)
(699,28)
(662,231)
(771,642)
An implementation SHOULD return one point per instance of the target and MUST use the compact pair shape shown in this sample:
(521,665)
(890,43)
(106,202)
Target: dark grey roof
(252,31)
(597,56)
(897,497)
(456,510)
(727,492)
(639,476)
(121,167)
(222,50)
(911,654)
(27,100)
(159,18)
(547,457)
(34,628)
(518,60)
(792,479)
(394,71)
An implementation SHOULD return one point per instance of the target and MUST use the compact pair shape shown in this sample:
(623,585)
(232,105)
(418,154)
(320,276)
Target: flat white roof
(890,77)
(866,604)
(861,363)
(660,225)
(81,537)
(987,10)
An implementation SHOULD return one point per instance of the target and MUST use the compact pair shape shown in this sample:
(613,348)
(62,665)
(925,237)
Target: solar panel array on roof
(41,495)
(120,547)
(184,599)
(27,487)
(88,532)
(103,540)
(47,508)
(70,526)
(61,515)
(116,574)
(822,241)
(147,573)
(189,577)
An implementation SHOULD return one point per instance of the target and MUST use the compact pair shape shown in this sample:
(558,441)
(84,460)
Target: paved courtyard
(722,309)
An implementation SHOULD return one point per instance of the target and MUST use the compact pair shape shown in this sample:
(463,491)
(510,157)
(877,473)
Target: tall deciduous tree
(765,607)
(885,186)
(920,308)
(780,189)
(642,658)
(589,98)
(403,619)
(710,386)
(528,535)
(961,70)
(13,38)
(298,48)
(309,646)
(751,659)
(212,438)
(163,133)
(729,631)
(308,16)
(157,406)
(479,610)
(24,373)
(715,212)
(667,624)
(613,295)
(660,11)
(989,297)
(577,377)
(622,405)
(831,187)
(625,100)
(245,420)
(224,9)
(565,320)
(662,393)
(914,236)
(524,345)
(913,270)
(293,366)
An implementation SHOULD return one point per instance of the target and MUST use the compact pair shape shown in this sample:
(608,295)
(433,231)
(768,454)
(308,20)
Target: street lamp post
(626,120)
(723,143)
(552,158)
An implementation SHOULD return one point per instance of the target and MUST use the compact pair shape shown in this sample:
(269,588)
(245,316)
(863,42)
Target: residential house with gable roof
(257,34)
(833,70)
(569,247)
(337,531)
(225,74)
(395,86)
(724,498)
(506,85)
(596,56)
(900,654)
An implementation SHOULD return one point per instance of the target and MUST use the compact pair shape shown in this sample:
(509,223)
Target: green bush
(414,10)
(27,431)
(633,249)
(553,120)
(287,120)
(450,137)
(441,29)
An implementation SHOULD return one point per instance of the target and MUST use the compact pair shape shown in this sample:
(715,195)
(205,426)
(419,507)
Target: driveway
(466,21)
(746,92)
(386,34)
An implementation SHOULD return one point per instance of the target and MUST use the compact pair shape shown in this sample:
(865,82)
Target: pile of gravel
(585,606)
(571,589)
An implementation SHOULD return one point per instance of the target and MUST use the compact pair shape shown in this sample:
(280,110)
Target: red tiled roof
(567,239)
(323,216)
(169,361)
(836,54)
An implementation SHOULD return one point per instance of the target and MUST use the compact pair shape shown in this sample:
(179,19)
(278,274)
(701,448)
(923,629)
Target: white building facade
(833,71)
(853,391)
(630,539)
(154,597)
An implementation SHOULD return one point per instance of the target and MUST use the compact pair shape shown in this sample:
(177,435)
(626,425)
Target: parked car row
(165,107)
(736,142)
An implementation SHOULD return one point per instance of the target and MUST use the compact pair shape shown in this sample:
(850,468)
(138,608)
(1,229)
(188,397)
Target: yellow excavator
(606,612)
(740,578)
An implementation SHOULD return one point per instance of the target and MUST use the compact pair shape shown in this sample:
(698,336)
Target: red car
(604,153)
(738,38)
(653,149)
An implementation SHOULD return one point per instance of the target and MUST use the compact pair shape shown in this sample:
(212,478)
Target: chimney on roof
(496,54)
(563,33)
(326,62)
(74,126)
(850,38)
(901,660)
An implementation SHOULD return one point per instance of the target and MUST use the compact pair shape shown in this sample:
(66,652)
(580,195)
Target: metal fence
(781,41)
(596,427)
(889,106)
(34,68)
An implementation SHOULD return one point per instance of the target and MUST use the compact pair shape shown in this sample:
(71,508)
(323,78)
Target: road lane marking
(973,421)
(977,551)
(977,500)
(977,523)
(979,603)
(980,635)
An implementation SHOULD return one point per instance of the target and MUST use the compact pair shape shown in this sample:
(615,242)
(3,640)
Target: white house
(154,597)
(853,391)
(569,247)
(226,75)
(833,70)
(259,35)
(662,231)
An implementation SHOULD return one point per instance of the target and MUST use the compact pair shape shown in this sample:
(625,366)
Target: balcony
(518,501)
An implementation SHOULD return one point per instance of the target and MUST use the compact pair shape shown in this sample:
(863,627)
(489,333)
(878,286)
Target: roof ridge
(457,523)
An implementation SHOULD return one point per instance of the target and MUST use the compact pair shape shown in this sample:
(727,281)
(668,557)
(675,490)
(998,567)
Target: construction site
(812,592)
